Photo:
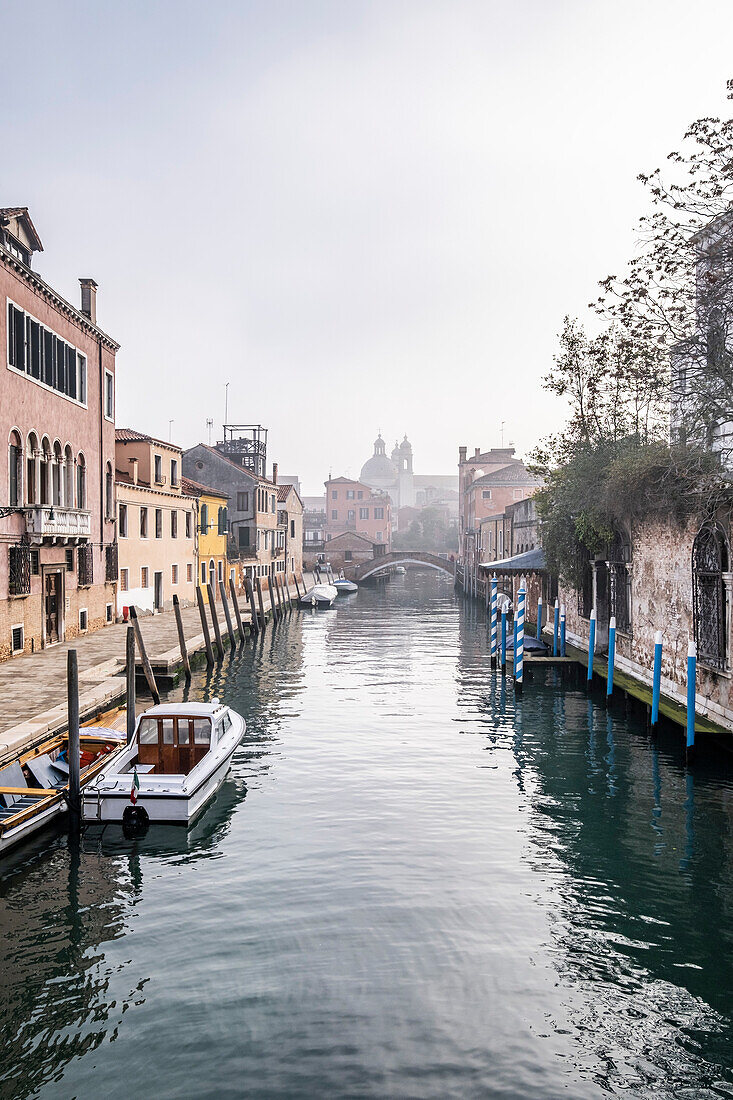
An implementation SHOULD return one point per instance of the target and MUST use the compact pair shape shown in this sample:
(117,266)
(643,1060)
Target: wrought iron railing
(85,572)
(20,569)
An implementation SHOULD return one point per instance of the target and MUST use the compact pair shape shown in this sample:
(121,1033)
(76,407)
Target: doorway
(157,591)
(53,607)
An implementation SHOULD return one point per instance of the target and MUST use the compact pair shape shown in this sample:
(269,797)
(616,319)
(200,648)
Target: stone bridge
(416,558)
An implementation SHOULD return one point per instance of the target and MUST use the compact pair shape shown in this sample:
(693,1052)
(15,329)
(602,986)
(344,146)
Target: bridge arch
(404,557)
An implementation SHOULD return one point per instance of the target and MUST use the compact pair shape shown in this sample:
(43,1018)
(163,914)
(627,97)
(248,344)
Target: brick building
(353,506)
(58,566)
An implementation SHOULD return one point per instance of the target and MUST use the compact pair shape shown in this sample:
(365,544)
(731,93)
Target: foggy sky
(360,215)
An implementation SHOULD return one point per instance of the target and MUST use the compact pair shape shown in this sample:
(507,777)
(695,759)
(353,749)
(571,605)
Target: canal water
(411,885)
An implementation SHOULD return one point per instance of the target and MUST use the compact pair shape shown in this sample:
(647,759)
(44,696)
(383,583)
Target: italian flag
(135,786)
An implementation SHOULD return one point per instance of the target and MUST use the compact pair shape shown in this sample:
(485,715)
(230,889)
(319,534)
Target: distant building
(395,476)
(349,549)
(290,524)
(58,558)
(156,522)
(353,506)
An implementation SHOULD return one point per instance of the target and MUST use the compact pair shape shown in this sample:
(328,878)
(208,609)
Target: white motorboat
(178,758)
(343,586)
(320,595)
(34,788)
(400,569)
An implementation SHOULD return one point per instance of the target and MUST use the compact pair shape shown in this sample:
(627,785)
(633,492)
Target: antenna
(502,433)
(209,426)
(226,403)
(170,429)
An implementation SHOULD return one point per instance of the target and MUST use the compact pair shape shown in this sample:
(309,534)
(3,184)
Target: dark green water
(411,885)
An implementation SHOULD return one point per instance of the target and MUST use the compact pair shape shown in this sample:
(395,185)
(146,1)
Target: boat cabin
(172,742)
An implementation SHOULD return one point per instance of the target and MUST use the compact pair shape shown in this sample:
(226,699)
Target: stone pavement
(33,700)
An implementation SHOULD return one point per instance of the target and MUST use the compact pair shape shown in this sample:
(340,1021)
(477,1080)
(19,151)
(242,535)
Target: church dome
(378,471)
(406,446)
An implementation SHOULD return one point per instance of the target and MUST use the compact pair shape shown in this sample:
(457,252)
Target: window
(81,482)
(85,565)
(124,580)
(201,731)
(517,494)
(292,528)
(351,514)
(108,613)
(220,570)
(109,395)
(158,464)
(379,513)
(242,502)
(38,352)
(486,494)
(83,618)
(159,523)
(143,523)
(203,572)
(379,536)
(363,513)
(348,556)
(145,577)
(204,519)
(360,494)
(222,523)
(122,521)
(272,503)
(69,559)
(148,731)
(15,497)
(109,496)
(174,523)
(243,536)
(711,611)
(174,471)
(619,577)
(35,563)
(334,513)
(349,494)
(17,638)
(188,525)
(189,573)
(174,574)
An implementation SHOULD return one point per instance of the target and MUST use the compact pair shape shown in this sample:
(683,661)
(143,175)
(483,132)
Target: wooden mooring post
(261,603)
(237,612)
(181,638)
(73,754)
(147,667)
(227,616)
(297,586)
(273,602)
(130,683)
(204,625)
(249,589)
(215,621)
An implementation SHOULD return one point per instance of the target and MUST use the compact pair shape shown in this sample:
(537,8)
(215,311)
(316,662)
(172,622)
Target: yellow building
(212,529)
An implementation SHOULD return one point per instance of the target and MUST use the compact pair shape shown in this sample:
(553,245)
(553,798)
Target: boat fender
(135,822)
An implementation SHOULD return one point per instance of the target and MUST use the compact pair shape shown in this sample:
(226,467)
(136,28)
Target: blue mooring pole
(691,678)
(591,645)
(611,657)
(556,629)
(503,638)
(562,631)
(494,597)
(519,642)
(656,679)
(539,617)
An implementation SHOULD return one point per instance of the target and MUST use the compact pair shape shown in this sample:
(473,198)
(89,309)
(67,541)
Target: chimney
(462,452)
(274,473)
(133,463)
(89,299)
(477,453)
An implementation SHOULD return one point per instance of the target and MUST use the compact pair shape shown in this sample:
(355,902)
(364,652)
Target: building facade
(290,523)
(58,565)
(354,506)
(156,523)
(212,538)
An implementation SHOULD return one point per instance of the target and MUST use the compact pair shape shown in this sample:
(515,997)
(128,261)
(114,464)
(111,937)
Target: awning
(532,561)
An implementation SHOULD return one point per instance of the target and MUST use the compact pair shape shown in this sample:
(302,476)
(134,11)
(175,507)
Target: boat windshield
(173,744)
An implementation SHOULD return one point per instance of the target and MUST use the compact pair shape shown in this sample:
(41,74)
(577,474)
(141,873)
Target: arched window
(46,456)
(68,476)
(109,504)
(710,560)
(619,577)
(212,576)
(31,455)
(81,481)
(56,475)
(15,470)
(204,519)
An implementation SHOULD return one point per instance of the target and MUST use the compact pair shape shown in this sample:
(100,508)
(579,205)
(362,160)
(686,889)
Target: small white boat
(343,586)
(320,595)
(400,569)
(178,758)
(34,787)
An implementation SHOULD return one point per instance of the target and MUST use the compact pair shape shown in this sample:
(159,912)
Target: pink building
(353,506)
(58,558)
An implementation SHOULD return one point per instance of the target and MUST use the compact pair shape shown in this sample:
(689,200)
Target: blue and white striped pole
(611,657)
(691,678)
(556,629)
(503,638)
(562,631)
(494,598)
(519,643)
(539,617)
(591,645)
(656,679)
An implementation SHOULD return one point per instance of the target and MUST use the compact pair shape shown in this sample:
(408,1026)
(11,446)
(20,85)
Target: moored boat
(34,788)
(178,758)
(343,586)
(320,595)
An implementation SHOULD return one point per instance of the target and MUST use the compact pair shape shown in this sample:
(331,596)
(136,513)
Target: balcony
(59,524)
